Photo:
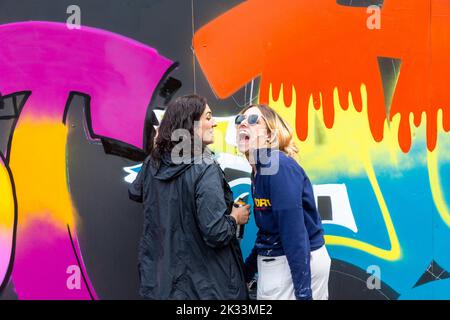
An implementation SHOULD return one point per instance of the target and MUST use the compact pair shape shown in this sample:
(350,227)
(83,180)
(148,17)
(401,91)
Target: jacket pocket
(233,277)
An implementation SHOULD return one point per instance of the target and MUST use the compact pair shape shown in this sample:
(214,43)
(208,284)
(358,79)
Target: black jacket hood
(168,169)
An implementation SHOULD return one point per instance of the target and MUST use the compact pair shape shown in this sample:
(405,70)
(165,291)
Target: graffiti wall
(363,83)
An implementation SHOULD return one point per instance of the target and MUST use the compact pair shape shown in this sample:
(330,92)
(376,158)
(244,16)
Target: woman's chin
(207,143)
(243,148)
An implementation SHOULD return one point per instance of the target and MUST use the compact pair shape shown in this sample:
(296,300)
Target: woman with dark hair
(189,248)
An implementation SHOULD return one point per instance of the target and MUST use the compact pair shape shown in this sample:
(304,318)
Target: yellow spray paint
(6,200)
(38,161)
(220,144)
(7,211)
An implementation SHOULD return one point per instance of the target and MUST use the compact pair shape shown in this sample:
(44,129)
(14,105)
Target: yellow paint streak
(435,182)
(392,254)
(38,162)
(220,145)
(348,148)
(6,199)
(335,150)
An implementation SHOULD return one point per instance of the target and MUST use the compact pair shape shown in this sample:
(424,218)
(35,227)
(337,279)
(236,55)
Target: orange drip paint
(316,46)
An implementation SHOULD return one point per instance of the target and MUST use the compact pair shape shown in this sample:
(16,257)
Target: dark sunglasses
(252,119)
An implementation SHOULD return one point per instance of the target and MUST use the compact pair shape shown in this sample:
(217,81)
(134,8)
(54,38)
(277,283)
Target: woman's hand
(241,214)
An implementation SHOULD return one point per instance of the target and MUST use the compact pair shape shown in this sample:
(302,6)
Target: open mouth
(244,136)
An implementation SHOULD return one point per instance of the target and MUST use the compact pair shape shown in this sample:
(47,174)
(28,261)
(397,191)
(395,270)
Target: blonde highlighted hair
(281,133)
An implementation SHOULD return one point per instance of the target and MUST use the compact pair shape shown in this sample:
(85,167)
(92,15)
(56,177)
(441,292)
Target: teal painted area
(422,233)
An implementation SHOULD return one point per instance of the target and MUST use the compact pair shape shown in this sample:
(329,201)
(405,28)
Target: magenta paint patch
(119,74)
(46,265)
(6,229)
(5,251)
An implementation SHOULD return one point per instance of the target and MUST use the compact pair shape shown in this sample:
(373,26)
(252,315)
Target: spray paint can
(240,227)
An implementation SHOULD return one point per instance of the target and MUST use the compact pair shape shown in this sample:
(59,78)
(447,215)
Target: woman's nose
(243,124)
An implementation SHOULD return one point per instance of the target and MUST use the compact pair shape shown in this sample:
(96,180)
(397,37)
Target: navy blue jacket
(286,215)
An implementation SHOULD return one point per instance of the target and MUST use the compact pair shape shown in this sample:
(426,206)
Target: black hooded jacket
(188,248)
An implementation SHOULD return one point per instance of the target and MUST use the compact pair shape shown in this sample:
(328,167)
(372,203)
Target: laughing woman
(289,254)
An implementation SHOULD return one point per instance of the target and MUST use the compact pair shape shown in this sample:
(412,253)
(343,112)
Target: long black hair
(181,113)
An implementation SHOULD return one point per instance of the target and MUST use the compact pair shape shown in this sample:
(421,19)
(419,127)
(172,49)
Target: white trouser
(275,279)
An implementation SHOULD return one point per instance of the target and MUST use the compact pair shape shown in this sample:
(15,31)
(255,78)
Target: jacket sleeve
(213,219)
(135,189)
(286,188)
